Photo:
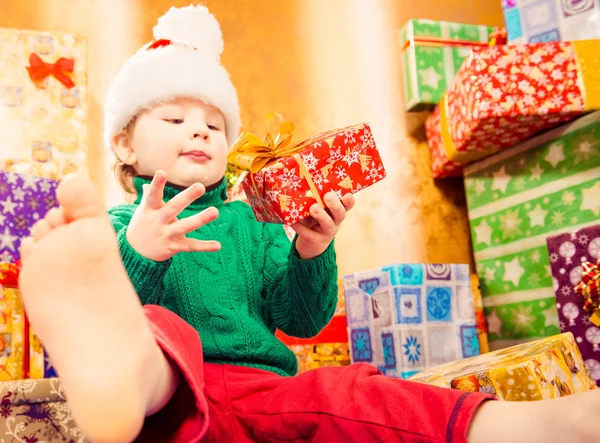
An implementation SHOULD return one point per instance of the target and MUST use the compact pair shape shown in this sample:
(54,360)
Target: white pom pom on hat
(183,61)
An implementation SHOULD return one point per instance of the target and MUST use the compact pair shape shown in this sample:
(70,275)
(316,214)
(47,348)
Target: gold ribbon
(250,155)
(587,59)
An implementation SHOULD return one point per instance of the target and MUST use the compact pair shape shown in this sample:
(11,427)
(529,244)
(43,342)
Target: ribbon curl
(250,154)
(589,289)
(61,70)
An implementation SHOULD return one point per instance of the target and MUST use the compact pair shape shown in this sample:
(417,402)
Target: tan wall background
(323,64)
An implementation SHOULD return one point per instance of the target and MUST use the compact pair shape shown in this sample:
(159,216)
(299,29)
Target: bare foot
(568,419)
(84,309)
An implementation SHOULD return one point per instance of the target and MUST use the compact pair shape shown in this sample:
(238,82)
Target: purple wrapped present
(24,199)
(567,252)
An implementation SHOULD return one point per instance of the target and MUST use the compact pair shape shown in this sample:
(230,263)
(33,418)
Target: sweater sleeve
(145,275)
(301,294)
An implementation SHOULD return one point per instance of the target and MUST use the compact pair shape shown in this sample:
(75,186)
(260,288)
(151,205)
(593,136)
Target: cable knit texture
(237,297)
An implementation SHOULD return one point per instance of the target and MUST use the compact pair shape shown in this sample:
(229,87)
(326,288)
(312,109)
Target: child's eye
(213,128)
(175,121)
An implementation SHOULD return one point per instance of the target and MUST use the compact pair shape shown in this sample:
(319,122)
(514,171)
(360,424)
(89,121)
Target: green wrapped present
(432,52)
(547,185)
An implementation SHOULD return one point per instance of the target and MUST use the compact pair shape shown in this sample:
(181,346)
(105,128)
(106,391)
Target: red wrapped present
(283,180)
(589,289)
(503,95)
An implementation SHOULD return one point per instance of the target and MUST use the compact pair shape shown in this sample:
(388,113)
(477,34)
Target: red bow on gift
(589,288)
(9,274)
(39,70)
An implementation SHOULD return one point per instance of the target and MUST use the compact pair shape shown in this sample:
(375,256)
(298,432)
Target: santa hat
(182,61)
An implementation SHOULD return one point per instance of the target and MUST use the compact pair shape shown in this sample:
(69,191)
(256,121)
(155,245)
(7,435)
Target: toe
(26,245)
(55,217)
(79,198)
(40,229)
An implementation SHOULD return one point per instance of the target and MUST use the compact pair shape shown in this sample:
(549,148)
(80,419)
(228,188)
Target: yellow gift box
(43,103)
(539,370)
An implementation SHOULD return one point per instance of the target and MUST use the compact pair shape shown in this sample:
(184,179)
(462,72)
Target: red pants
(226,403)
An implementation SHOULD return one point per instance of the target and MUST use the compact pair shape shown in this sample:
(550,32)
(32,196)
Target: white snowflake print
(350,135)
(310,161)
(273,195)
(335,156)
(293,213)
(351,158)
(586,320)
(289,175)
(583,239)
(318,180)
(375,172)
(340,173)
(269,175)
(367,139)
(295,184)
(565,290)
(338,193)
(554,257)
(557,75)
(562,325)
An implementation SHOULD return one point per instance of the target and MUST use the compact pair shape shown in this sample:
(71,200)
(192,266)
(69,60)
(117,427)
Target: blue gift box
(405,318)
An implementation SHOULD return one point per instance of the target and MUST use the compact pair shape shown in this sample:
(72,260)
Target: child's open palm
(156,233)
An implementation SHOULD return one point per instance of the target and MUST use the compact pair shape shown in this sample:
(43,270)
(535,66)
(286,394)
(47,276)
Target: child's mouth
(197,156)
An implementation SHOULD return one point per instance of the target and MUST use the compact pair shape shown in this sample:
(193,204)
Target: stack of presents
(515,112)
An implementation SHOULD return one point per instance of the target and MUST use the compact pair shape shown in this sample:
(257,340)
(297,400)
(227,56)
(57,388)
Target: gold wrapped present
(43,103)
(544,369)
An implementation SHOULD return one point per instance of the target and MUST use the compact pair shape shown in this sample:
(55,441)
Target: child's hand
(316,233)
(154,230)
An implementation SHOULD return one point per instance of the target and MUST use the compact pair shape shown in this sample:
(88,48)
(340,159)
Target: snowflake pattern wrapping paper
(541,370)
(428,69)
(503,95)
(567,252)
(405,318)
(43,125)
(342,161)
(541,21)
(516,199)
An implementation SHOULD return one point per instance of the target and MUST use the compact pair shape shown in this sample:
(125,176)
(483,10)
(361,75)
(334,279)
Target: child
(206,270)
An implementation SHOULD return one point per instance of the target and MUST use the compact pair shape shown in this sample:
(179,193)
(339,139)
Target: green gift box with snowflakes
(517,198)
(405,318)
(432,53)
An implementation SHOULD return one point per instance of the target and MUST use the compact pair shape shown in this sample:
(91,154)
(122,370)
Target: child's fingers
(324,220)
(338,212)
(182,200)
(194,245)
(153,193)
(189,224)
(348,201)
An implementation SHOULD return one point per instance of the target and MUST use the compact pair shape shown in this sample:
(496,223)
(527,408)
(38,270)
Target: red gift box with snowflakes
(342,161)
(503,95)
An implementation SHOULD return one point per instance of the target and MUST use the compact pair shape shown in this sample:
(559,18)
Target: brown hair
(124,172)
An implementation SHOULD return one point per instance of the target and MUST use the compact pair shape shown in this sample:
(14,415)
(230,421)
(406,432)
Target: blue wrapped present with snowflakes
(405,318)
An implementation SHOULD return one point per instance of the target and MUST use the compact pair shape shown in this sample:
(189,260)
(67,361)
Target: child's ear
(123,145)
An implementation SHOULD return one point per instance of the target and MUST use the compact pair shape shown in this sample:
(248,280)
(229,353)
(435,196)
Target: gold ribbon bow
(250,154)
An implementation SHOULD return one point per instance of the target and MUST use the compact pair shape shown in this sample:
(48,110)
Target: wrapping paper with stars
(516,199)
(427,70)
(567,252)
(24,199)
(405,318)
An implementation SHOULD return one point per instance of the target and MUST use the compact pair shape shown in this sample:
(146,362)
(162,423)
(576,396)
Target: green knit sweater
(237,297)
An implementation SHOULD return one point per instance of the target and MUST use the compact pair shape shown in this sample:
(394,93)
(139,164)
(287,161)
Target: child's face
(184,137)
